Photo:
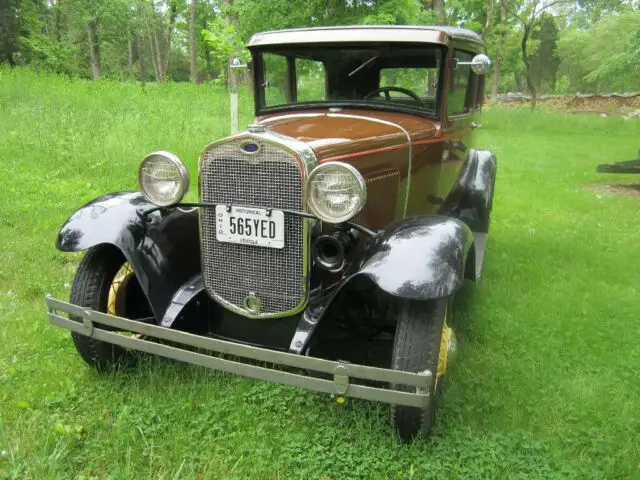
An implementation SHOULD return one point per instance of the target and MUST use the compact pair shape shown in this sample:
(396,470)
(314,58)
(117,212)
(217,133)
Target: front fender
(418,258)
(163,247)
(114,218)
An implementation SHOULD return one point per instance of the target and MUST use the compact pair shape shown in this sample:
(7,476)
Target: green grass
(546,385)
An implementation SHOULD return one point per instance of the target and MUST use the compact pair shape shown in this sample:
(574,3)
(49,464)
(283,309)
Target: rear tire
(90,289)
(416,348)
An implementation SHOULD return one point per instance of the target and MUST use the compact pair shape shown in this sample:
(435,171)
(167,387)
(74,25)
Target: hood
(334,134)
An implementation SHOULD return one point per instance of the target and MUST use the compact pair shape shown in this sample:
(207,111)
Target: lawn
(546,384)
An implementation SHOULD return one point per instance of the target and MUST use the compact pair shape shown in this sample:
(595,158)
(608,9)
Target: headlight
(163,178)
(336,192)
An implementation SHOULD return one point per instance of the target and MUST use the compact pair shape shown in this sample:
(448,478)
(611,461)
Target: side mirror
(480,64)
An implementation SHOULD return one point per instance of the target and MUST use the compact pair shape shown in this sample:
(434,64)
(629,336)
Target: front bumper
(344,374)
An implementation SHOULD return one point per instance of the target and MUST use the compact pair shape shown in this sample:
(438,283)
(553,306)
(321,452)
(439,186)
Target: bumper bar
(343,373)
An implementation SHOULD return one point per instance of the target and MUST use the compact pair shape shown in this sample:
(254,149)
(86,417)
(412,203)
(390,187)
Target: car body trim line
(409,142)
(290,116)
(363,153)
(367,152)
(421,381)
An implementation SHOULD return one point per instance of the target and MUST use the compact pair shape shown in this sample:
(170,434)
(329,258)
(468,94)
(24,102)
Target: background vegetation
(546,385)
(548,46)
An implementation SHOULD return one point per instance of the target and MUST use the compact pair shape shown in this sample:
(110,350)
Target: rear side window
(462,87)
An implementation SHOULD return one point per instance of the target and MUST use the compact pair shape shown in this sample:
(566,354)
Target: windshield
(396,77)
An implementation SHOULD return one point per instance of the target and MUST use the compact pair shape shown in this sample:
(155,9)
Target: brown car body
(439,147)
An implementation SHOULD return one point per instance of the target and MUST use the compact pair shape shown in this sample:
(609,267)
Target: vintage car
(328,239)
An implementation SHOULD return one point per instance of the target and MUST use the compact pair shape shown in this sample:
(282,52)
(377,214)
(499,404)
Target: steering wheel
(387,97)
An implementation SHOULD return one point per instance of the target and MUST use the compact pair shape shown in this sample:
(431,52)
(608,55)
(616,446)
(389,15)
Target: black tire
(90,289)
(416,347)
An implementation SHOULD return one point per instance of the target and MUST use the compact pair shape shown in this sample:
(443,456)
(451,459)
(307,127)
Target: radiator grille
(271,178)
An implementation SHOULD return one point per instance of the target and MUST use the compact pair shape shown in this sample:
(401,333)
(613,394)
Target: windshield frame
(259,92)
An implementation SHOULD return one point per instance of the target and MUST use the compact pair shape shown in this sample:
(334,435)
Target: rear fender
(471,198)
(162,247)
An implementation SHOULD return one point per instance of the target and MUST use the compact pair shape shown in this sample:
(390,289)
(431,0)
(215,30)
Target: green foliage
(546,380)
(223,44)
(395,12)
(545,60)
(149,40)
(604,58)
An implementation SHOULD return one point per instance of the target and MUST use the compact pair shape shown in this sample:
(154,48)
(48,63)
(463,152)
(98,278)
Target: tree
(530,14)
(545,61)
(586,69)
(532,42)
(193,45)
(497,64)
(94,46)
(10,30)
(438,6)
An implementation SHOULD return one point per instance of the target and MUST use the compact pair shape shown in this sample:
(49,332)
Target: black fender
(419,258)
(163,247)
(471,201)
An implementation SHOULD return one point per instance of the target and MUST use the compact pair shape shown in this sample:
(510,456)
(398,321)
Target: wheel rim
(115,289)
(446,341)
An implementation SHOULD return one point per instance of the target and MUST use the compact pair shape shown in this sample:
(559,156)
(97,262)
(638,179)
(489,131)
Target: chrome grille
(268,178)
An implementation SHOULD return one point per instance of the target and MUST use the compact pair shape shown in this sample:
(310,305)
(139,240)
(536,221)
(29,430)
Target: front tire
(91,287)
(416,348)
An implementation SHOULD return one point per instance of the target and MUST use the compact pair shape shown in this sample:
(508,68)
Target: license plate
(250,226)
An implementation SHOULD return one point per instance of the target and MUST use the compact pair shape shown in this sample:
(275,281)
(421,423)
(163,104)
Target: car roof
(443,35)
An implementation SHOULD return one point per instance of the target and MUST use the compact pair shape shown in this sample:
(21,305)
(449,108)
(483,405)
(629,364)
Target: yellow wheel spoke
(114,288)
(445,339)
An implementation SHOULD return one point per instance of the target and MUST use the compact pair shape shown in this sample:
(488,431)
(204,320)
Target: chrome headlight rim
(362,186)
(183,186)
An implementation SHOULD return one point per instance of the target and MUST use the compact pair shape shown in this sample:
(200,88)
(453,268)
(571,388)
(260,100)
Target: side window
(461,89)
(276,79)
(311,80)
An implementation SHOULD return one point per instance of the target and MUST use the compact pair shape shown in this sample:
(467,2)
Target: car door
(463,103)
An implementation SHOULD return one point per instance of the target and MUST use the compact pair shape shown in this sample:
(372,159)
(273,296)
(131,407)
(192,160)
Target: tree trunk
(207,55)
(495,84)
(159,61)
(489,20)
(495,79)
(58,8)
(438,5)
(172,23)
(94,47)
(130,56)
(154,60)
(140,60)
(193,54)
(518,79)
(527,66)
(231,78)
